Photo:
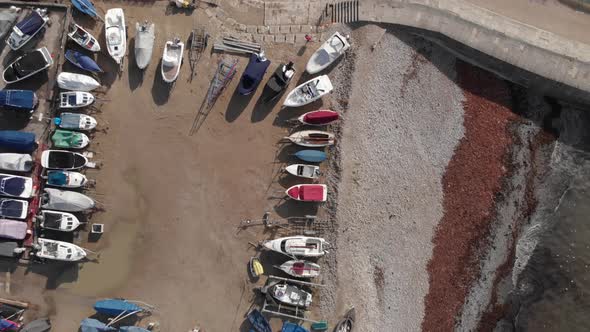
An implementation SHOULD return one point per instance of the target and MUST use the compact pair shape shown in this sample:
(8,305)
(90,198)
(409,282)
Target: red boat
(308,192)
(319,117)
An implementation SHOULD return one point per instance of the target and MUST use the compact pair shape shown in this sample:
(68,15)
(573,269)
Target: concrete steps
(342,12)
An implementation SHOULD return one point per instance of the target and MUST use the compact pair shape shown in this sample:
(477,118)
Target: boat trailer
(303,225)
(273,307)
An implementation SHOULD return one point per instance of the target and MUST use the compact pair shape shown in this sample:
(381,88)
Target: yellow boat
(256,269)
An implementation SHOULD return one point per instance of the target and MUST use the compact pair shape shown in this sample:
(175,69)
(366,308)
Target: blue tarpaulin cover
(252,74)
(11,208)
(259,322)
(17,99)
(114,307)
(11,186)
(291,327)
(17,141)
(85,7)
(82,61)
(57,178)
(132,329)
(31,23)
(93,325)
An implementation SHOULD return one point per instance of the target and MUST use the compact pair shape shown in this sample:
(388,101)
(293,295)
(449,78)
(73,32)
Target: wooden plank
(15,303)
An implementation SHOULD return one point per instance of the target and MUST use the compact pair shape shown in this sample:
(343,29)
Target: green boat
(69,139)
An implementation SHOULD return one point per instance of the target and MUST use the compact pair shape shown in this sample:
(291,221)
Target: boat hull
(116,34)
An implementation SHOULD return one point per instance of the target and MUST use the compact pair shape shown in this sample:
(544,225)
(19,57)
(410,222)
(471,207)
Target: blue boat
(132,329)
(17,141)
(115,307)
(312,156)
(82,61)
(291,327)
(18,99)
(93,325)
(259,322)
(86,7)
(26,29)
(253,74)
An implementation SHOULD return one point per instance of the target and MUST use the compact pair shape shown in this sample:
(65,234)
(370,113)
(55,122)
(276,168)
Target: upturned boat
(318,118)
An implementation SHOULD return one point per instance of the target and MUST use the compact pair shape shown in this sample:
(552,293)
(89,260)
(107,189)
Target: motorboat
(16,162)
(13,208)
(309,91)
(115,33)
(302,246)
(258,321)
(172,60)
(75,99)
(26,29)
(38,325)
(76,82)
(308,192)
(318,118)
(58,221)
(312,138)
(27,65)
(16,186)
(66,179)
(333,48)
(291,295)
(8,17)
(19,100)
(255,267)
(86,7)
(82,61)
(144,43)
(83,38)
(346,324)
(61,159)
(66,139)
(13,229)
(311,156)
(17,141)
(300,268)
(304,171)
(279,81)
(64,200)
(253,73)
(116,307)
(58,250)
(75,121)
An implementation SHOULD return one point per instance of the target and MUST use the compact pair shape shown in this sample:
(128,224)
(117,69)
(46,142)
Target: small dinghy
(38,325)
(13,208)
(309,91)
(58,250)
(17,141)
(28,65)
(279,81)
(300,269)
(258,321)
(308,192)
(347,323)
(172,60)
(86,7)
(94,325)
(311,156)
(82,61)
(13,229)
(304,171)
(7,18)
(65,139)
(312,138)
(75,99)
(77,82)
(115,34)
(64,200)
(116,307)
(83,38)
(75,121)
(318,118)
(18,100)
(16,162)
(291,295)
(66,179)
(330,50)
(64,160)
(253,73)
(301,246)
(26,29)
(58,221)
(144,43)
(16,186)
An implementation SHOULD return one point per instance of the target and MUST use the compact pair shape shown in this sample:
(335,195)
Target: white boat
(300,268)
(64,200)
(26,29)
(171,60)
(76,121)
(16,186)
(304,171)
(75,99)
(115,33)
(27,65)
(58,250)
(301,246)
(62,159)
(330,50)
(312,138)
(291,295)
(16,162)
(66,179)
(58,221)
(144,43)
(83,38)
(309,91)
(77,82)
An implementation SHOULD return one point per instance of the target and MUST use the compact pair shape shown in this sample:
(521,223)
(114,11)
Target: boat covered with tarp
(116,307)
(16,162)
(27,65)
(86,7)
(82,61)
(66,179)
(253,73)
(26,29)
(16,186)
(144,43)
(132,329)
(7,18)
(13,208)
(17,141)
(18,100)
(38,325)
(66,139)
(76,82)
(258,321)
(61,159)
(94,325)
(292,327)
(13,229)
(64,200)
(8,249)
(75,121)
